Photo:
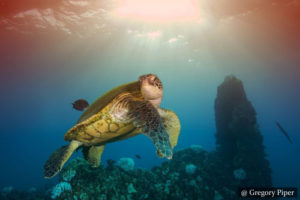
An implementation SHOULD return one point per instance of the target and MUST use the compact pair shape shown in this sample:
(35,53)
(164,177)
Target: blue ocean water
(39,82)
(37,110)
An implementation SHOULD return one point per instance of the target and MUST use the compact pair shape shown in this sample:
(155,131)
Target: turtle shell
(95,126)
(106,98)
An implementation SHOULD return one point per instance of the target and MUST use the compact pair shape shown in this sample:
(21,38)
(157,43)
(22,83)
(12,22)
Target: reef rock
(239,141)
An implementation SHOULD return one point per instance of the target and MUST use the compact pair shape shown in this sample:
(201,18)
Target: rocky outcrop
(238,138)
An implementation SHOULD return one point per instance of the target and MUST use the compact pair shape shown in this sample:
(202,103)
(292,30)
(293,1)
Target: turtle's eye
(152,80)
(157,82)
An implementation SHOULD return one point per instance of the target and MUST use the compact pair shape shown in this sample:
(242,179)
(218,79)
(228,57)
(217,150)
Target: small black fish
(284,132)
(80,104)
(138,156)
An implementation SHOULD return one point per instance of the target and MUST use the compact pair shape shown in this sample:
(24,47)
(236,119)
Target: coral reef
(239,141)
(68,175)
(168,181)
(126,163)
(10,193)
(190,169)
(131,189)
(207,180)
(239,174)
(6,190)
(60,188)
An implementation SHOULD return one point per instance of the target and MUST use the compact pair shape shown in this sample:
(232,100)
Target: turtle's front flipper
(171,123)
(93,154)
(57,160)
(146,117)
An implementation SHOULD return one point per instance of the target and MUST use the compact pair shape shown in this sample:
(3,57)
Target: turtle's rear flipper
(57,160)
(146,117)
(93,154)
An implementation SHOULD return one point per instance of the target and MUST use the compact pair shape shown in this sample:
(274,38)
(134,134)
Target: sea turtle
(121,113)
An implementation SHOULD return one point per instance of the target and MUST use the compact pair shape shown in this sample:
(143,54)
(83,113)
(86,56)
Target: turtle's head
(151,88)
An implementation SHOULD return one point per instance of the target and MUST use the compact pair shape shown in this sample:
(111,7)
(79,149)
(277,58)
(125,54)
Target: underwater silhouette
(284,132)
(238,138)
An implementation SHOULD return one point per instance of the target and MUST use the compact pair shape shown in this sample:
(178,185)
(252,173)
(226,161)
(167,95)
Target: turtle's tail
(57,160)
